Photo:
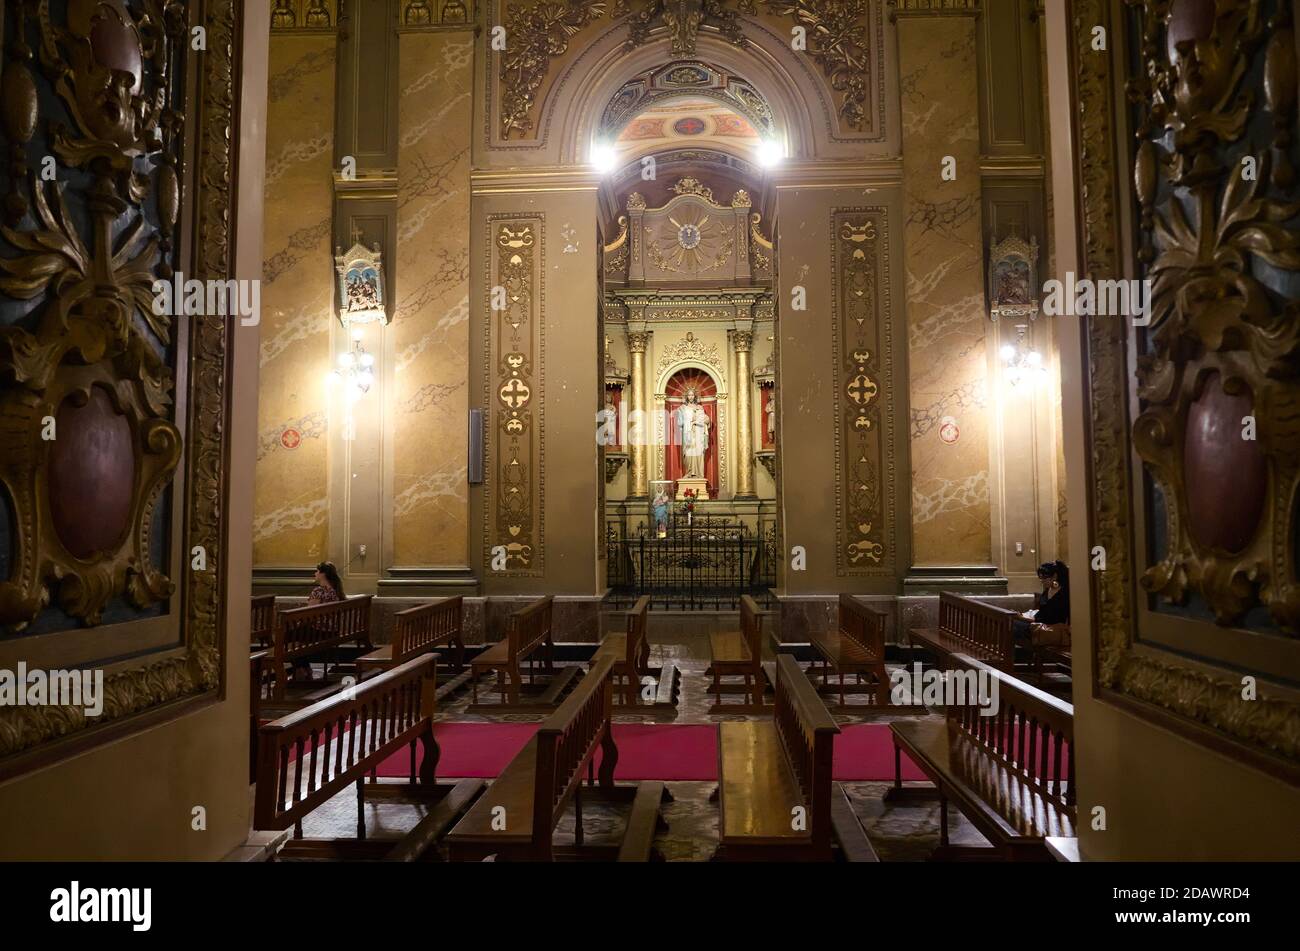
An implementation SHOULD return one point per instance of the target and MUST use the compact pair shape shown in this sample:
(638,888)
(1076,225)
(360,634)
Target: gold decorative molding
(902,9)
(86,351)
(838,41)
(681,18)
(692,186)
(1210,317)
(516,361)
(302,16)
(538,33)
(861,333)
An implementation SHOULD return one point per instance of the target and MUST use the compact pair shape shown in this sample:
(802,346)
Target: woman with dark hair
(329,586)
(1049,624)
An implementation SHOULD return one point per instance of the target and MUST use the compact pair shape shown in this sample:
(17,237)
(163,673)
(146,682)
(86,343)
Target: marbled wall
(291,506)
(945,292)
(431,322)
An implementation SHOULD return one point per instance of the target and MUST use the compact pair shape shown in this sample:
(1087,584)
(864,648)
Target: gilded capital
(638,341)
(742,340)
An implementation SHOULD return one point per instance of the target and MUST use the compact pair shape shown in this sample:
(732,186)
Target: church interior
(650,430)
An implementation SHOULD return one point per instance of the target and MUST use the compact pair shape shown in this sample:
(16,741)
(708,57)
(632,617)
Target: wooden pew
(1010,774)
(768,769)
(309,756)
(533,791)
(302,634)
(527,631)
(263,620)
(856,648)
(970,627)
(629,651)
(258,672)
(738,654)
(419,630)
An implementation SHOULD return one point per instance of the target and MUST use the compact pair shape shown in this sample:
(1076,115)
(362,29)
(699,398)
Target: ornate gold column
(639,422)
(741,342)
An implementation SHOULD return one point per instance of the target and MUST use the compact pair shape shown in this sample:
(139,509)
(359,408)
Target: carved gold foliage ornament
(537,33)
(858,338)
(1220,250)
(89,351)
(682,19)
(515,347)
(91,286)
(1221,340)
(838,42)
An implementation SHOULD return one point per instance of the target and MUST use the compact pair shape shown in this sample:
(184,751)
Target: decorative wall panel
(862,377)
(1217,570)
(515,352)
(92,526)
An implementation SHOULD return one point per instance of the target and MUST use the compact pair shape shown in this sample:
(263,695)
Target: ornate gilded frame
(1199,697)
(195,188)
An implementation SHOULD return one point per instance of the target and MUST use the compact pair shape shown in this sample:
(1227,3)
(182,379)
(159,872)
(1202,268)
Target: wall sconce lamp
(356,368)
(1021,362)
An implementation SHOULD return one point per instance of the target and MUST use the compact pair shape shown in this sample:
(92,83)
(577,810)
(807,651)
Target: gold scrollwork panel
(1199,597)
(862,342)
(108,401)
(515,352)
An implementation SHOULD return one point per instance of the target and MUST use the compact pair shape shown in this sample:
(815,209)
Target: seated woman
(1048,625)
(328,588)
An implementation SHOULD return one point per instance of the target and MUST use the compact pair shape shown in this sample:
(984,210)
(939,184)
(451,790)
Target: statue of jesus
(693,425)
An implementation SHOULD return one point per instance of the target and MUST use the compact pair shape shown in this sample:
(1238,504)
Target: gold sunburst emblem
(692,245)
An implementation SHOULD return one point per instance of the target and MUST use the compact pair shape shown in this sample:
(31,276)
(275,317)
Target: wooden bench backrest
(636,623)
(863,625)
(807,732)
(339,739)
(419,628)
(751,629)
(566,741)
(1032,732)
(983,627)
(529,626)
(301,631)
(259,668)
(263,619)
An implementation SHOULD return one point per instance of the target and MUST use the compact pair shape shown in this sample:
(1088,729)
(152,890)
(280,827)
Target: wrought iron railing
(708,563)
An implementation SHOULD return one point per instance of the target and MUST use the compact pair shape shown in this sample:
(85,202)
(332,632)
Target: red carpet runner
(645,751)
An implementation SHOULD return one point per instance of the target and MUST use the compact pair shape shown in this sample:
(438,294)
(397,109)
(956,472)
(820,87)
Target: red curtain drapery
(706,390)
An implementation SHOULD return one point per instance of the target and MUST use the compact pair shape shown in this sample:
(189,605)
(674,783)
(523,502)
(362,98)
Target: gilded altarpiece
(515,352)
(862,378)
(1193,435)
(113,406)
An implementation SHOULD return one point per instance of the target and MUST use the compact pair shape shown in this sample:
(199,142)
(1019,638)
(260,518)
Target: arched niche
(569,114)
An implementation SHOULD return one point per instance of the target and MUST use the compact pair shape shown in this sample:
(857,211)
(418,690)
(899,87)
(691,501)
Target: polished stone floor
(899,832)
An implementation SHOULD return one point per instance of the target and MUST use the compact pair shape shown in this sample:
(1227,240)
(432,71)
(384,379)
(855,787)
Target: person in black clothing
(1049,623)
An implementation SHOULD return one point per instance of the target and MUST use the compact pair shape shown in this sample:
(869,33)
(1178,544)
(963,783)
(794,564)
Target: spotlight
(770,152)
(603,157)
(1008,352)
